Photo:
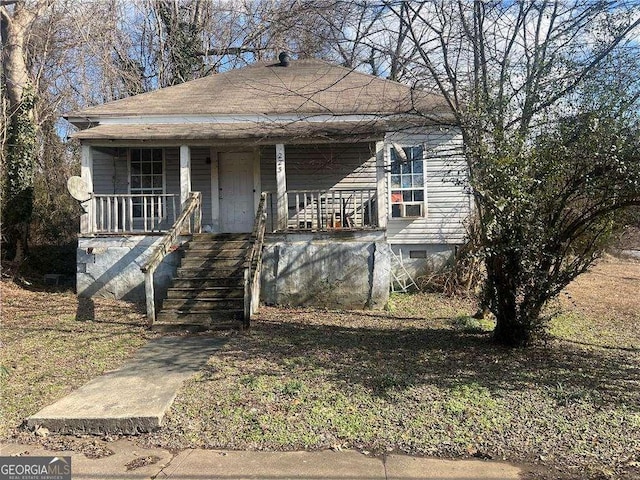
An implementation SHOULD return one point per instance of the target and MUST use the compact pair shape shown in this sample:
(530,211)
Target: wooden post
(197,215)
(247,296)
(381,183)
(150,294)
(281,188)
(255,289)
(87,220)
(185,175)
(215,190)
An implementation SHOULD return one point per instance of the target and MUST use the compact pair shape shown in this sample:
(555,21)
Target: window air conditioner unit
(411,210)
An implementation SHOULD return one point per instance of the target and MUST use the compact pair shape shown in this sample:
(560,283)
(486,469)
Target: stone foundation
(110,267)
(342,270)
(421,260)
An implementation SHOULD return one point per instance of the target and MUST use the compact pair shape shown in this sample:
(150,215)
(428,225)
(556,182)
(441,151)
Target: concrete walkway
(131,462)
(134,398)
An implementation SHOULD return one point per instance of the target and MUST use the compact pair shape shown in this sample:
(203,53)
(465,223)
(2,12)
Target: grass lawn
(421,378)
(424,378)
(51,344)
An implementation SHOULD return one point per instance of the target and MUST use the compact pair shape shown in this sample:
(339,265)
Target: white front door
(236,192)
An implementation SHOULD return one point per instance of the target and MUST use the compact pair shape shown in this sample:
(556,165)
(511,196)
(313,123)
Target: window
(146,178)
(407,183)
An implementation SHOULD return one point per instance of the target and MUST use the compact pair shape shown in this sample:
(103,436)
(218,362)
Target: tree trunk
(511,332)
(22,147)
(511,329)
(518,320)
(15,30)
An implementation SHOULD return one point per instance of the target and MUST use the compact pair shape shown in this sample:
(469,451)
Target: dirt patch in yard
(611,287)
(602,307)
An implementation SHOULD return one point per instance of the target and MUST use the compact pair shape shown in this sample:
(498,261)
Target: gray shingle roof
(251,132)
(304,87)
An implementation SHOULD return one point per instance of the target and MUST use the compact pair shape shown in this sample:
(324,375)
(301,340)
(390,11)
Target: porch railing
(133,213)
(189,221)
(318,210)
(253,263)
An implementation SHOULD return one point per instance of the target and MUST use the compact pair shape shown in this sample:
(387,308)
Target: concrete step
(202,304)
(208,282)
(206,293)
(182,326)
(205,319)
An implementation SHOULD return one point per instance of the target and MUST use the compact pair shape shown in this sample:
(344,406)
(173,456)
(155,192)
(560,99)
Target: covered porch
(306,211)
(312,217)
(136,189)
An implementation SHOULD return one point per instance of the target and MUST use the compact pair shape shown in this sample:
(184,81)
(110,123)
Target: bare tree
(56,56)
(16,19)
(509,72)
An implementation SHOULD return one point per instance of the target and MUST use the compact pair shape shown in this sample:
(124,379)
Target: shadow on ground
(391,358)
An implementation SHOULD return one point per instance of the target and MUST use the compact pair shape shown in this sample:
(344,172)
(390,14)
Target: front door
(236,192)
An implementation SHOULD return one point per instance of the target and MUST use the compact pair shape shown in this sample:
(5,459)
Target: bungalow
(294,183)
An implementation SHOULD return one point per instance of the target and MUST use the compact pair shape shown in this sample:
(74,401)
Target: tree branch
(220,51)
(4,16)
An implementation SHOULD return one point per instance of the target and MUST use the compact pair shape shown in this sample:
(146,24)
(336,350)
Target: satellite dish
(78,189)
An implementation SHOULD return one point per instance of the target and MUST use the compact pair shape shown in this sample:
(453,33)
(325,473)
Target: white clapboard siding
(172,170)
(448,203)
(325,167)
(322,167)
(268,169)
(201,179)
(110,171)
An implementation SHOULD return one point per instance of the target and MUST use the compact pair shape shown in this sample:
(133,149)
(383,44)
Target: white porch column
(281,188)
(185,173)
(381,183)
(86,173)
(215,190)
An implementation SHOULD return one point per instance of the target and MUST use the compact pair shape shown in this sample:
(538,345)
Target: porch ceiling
(256,132)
